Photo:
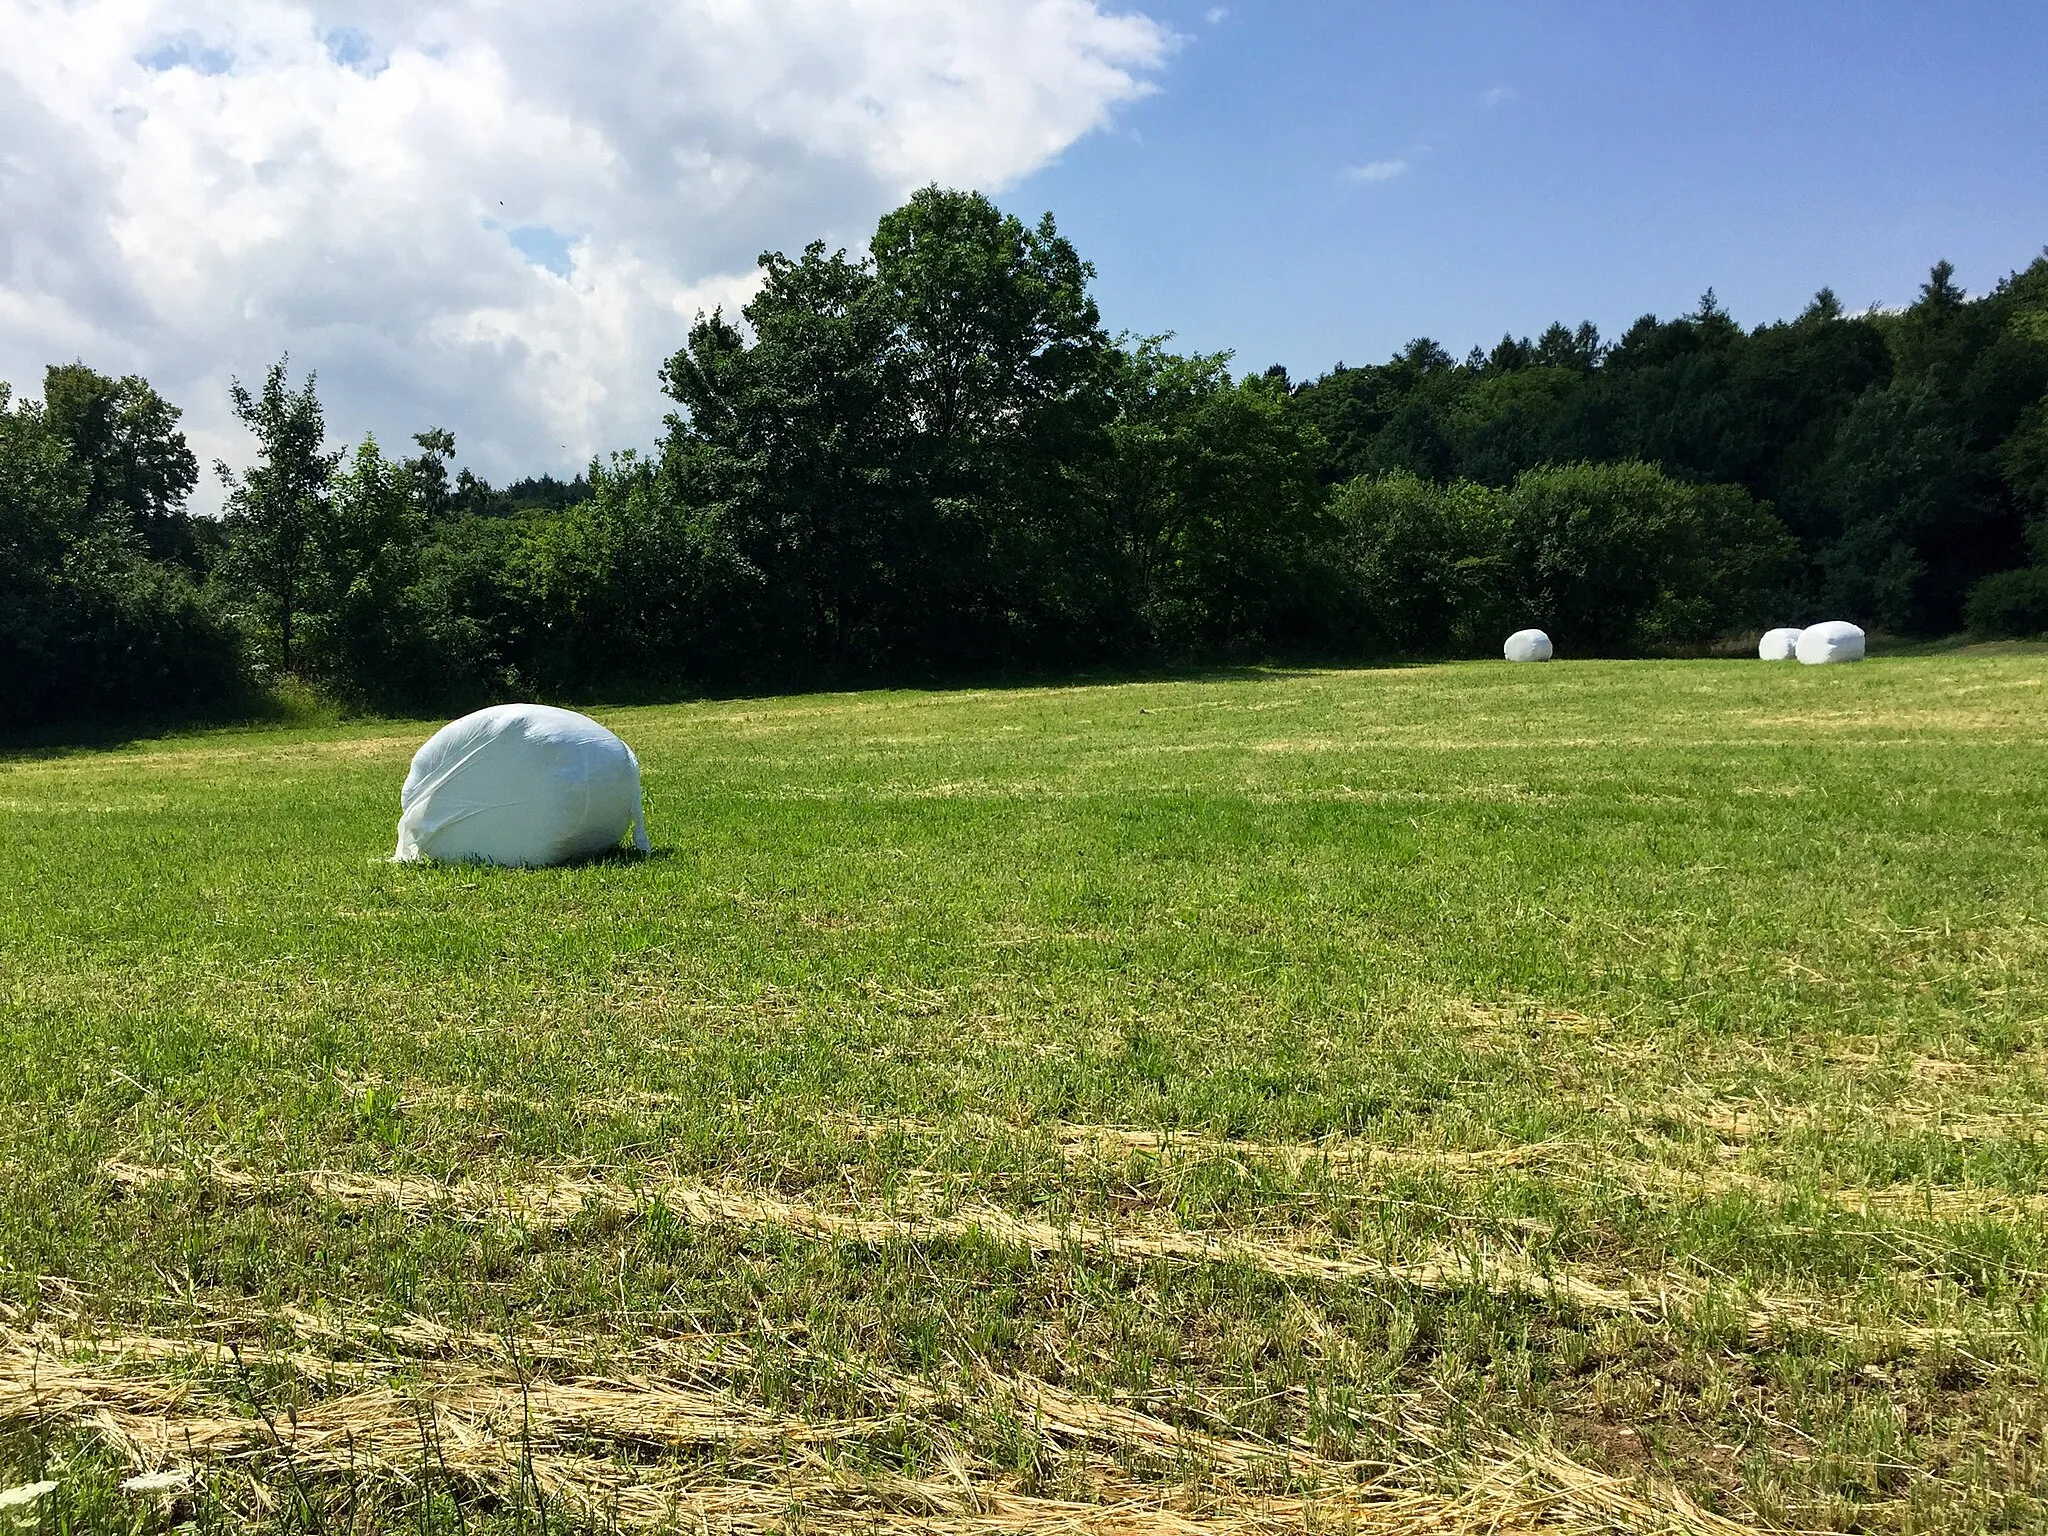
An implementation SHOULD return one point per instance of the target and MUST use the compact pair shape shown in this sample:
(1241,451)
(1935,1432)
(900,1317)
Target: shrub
(1428,563)
(1610,559)
(1593,548)
(2010,605)
(89,625)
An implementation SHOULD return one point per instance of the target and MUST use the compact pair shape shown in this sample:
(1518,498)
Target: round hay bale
(1820,644)
(1527,645)
(1778,645)
(522,784)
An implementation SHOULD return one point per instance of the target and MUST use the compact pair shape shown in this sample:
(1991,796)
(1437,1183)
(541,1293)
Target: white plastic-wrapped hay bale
(1527,645)
(520,784)
(1832,641)
(1779,644)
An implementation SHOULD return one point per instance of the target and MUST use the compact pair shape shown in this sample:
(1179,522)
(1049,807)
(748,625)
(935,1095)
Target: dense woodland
(933,461)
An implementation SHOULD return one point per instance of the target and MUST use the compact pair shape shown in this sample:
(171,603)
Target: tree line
(933,460)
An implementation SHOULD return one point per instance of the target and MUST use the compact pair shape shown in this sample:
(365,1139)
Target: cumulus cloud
(493,218)
(1377,170)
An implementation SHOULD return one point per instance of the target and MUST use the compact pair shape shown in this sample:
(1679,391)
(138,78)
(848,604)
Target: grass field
(1601,1097)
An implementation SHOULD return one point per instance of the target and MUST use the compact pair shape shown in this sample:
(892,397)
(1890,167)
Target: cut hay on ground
(648,1452)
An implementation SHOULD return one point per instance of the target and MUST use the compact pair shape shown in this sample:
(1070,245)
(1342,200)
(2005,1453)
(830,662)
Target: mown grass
(1643,1065)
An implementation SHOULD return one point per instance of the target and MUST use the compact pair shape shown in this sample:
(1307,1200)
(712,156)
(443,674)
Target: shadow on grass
(1882,644)
(622,857)
(303,708)
(276,709)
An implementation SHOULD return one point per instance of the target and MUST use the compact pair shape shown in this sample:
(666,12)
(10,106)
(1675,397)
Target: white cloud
(1215,15)
(493,218)
(1377,170)
(1496,96)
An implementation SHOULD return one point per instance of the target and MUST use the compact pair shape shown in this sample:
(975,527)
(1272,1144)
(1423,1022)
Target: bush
(1428,564)
(107,633)
(2010,605)
(1609,559)
(89,625)
(1592,545)
(1733,568)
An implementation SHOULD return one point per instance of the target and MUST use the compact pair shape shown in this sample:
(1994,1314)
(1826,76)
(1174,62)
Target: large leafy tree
(1927,479)
(887,458)
(998,361)
(364,630)
(1211,505)
(787,442)
(1430,565)
(996,344)
(89,624)
(274,509)
(135,463)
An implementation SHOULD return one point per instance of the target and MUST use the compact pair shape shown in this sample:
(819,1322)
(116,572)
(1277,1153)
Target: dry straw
(649,1451)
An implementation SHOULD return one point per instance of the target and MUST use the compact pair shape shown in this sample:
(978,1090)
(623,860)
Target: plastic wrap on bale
(1833,641)
(520,784)
(1778,645)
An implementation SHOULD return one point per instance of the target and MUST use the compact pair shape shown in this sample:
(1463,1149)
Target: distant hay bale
(1778,645)
(520,784)
(1527,645)
(1832,641)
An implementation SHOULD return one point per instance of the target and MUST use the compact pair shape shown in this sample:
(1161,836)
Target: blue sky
(1551,161)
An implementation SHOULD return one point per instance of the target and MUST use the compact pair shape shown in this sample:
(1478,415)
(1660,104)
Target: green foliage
(368,632)
(1208,496)
(89,624)
(1611,559)
(889,462)
(785,444)
(1903,452)
(639,589)
(1430,564)
(274,511)
(2023,460)
(542,493)
(1592,547)
(1733,567)
(932,461)
(1922,507)
(123,437)
(2010,605)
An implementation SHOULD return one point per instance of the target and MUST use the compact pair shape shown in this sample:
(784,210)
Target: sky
(1314,183)
(500,218)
